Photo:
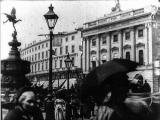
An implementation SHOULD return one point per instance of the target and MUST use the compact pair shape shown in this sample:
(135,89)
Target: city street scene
(80,60)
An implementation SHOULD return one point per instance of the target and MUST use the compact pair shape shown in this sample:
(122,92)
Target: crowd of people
(30,103)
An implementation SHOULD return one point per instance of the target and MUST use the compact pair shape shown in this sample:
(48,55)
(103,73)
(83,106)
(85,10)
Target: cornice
(93,52)
(140,44)
(112,27)
(127,46)
(114,48)
(103,50)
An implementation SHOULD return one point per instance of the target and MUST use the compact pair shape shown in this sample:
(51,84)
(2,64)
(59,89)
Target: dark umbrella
(108,76)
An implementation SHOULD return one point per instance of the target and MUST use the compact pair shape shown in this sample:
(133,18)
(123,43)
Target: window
(66,49)
(46,44)
(46,54)
(94,42)
(35,48)
(55,63)
(115,38)
(39,47)
(141,58)
(42,45)
(35,67)
(35,57)
(32,49)
(66,39)
(61,41)
(38,56)
(128,55)
(104,40)
(60,64)
(38,66)
(73,61)
(46,65)
(72,37)
(60,50)
(93,64)
(55,51)
(42,55)
(127,35)
(73,48)
(140,33)
(104,59)
(32,68)
(42,66)
(115,55)
(32,58)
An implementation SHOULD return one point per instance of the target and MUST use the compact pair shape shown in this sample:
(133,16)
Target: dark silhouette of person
(146,87)
(117,106)
(138,88)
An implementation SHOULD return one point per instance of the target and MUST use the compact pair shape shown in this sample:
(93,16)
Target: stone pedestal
(13,68)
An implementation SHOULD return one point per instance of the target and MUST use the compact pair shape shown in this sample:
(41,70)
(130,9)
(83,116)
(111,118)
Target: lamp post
(51,19)
(68,63)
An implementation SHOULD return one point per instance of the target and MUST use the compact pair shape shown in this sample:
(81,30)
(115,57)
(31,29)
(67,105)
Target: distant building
(37,53)
(132,34)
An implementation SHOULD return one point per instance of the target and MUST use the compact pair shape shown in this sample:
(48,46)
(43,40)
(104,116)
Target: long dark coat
(19,114)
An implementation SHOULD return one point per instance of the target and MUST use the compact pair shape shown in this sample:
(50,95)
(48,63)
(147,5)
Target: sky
(72,14)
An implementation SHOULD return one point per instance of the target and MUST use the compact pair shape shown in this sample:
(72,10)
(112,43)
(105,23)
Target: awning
(55,84)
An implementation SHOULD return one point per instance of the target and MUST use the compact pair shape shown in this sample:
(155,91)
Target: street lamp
(51,19)
(68,63)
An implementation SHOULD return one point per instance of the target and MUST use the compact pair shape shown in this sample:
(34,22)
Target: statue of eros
(12,18)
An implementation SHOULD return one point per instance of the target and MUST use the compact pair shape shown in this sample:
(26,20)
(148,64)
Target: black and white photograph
(80,59)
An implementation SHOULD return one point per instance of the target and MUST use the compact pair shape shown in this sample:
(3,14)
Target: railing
(118,17)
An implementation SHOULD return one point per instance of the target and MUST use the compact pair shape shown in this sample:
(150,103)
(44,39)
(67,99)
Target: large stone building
(38,54)
(132,34)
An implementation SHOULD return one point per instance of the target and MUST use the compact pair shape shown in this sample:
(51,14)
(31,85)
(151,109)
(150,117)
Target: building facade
(38,54)
(132,34)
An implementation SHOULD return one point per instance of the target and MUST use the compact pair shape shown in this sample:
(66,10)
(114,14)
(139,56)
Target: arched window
(128,55)
(141,58)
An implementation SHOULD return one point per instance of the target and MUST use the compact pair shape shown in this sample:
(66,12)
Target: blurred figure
(60,109)
(25,108)
(138,86)
(146,87)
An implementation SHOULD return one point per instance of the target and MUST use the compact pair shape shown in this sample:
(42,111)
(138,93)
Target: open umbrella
(112,73)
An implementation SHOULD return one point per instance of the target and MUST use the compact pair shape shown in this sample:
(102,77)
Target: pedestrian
(146,87)
(25,108)
(115,106)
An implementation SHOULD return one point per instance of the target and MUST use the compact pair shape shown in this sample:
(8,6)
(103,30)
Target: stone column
(87,54)
(121,43)
(109,45)
(146,34)
(134,43)
(98,49)
(84,54)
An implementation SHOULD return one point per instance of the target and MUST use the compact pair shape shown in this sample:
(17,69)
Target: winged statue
(12,17)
